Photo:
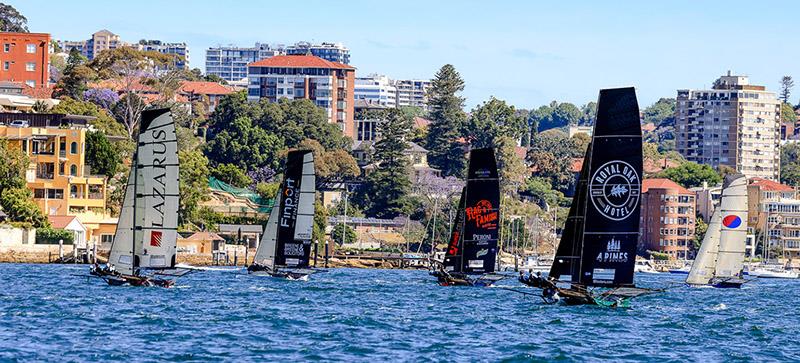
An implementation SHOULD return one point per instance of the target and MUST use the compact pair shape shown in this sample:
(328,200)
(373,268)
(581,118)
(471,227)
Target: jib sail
(452,257)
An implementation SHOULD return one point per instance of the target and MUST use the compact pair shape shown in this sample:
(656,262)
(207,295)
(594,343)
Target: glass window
(73,170)
(73,148)
(31,48)
(6,65)
(30,66)
(30,83)
(6,47)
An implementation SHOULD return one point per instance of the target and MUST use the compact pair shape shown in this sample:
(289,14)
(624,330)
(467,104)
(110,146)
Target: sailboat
(285,247)
(471,254)
(594,262)
(720,260)
(145,241)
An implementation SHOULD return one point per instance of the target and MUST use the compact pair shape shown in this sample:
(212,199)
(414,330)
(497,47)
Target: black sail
(567,258)
(293,245)
(611,226)
(453,255)
(481,213)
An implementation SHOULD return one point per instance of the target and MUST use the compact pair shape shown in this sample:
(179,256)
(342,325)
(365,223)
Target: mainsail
(733,233)
(287,236)
(453,255)
(598,247)
(705,263)
(147,231)
(481,213)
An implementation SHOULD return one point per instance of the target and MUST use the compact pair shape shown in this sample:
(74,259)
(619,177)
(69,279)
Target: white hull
(773,274)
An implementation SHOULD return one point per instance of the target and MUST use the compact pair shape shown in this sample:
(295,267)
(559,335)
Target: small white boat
(681,271)
(644,266)
(772,273)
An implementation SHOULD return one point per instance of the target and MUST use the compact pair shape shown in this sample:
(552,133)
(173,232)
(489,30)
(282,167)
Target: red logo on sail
(454,244)
(483,214)
(155,238)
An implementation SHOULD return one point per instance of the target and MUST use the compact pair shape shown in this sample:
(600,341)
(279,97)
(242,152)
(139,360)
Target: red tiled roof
(60,222)
(652,166)
(662,183)
(37,92)
(521,151)
(577,165)
(204,236)
(420,122)
(204,88)
(298,61)
(770,185)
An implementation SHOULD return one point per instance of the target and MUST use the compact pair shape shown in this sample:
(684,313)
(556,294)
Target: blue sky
(525,52)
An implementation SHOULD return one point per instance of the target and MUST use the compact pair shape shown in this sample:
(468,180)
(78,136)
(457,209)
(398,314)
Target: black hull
(461,279)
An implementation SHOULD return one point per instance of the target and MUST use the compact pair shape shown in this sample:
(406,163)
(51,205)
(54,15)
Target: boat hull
(460,279)
(288,274)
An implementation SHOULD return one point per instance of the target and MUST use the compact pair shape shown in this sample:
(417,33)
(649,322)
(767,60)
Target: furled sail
(481,213)
(296,210)
(608,200)
(452,257)
(705,262)
(265,253)
(147,232)
(733,226)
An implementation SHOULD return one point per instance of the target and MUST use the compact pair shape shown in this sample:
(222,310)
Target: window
(73,148)
(30,66)
(30,83)
(6,47)
(73,170)
(106,239)
(61,167)
(6,65)
(31,48)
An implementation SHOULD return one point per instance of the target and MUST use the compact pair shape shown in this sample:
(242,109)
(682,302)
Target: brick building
(667,218)
(25,58)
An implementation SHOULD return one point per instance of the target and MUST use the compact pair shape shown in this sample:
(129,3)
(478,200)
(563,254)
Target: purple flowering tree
(263,174)
(103,97)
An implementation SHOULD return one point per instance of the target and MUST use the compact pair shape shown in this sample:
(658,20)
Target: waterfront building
(25,58)
(199,91)
(371,233)
(230,62)
(667,218)
(774,214)
(376,88)
(328,84)
(178,49)
(413,92)
(734,124)
(334,52)
(367,125)
(707,198)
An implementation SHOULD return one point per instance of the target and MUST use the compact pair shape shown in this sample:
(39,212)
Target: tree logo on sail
(614,190)
(483,214)
(613,253)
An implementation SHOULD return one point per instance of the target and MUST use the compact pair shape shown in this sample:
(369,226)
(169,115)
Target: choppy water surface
(46,313)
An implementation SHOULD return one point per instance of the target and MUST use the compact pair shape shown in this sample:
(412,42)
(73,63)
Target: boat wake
(719,307)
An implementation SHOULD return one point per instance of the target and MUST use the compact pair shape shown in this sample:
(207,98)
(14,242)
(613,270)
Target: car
(19,123)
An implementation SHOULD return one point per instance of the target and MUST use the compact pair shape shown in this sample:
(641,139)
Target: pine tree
(786,88)
(388,186)
(446,150)
(76,75)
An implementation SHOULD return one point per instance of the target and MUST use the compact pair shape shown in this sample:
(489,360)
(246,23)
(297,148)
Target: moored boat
(767,272)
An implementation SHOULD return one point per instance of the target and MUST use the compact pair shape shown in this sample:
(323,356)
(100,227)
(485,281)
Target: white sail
(733,218)
(147,231)
(304,225)
(706,261)
(265,254)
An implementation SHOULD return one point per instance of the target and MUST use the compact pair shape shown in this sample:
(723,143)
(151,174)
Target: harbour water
(48,313)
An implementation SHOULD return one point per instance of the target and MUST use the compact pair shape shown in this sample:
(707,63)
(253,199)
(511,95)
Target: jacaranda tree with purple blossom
(103,97)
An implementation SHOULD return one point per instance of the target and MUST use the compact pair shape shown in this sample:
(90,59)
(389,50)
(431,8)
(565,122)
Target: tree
(320,223)
(335,165)
(102,97)
(588,114)
(16,199)
(349,234)
(446,150)
(193,184)
(786,88)
(11,20)
(690,175)
(388,186)
(790,164)
(103,121)
(244,145)
(700,229)
(580,142)
(491,120)
(788,116)
(101,156)
(232,175)
(550,156)
(74,79)
(509,164)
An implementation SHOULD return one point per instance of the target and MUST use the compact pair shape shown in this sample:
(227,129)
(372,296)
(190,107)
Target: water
(46,313)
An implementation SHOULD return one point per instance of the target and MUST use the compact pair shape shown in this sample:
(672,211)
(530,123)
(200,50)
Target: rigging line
(518,291)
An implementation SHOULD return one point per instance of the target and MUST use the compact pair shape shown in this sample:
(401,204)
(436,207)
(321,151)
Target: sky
(527,53)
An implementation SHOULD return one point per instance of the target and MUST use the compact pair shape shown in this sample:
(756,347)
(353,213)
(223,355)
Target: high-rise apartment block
(179,49)
(25,58)
(230,63)
(377,89)
(334,52)
(328,84)
(734,123)
(413,92)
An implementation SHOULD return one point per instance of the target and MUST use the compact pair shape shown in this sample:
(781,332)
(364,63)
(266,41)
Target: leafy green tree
(16,199)
(349,234)
(13,164)
(320,223)
(786,88)
(388,186)
(334,165)
(102,157)
(510,165)
(494,118)
(661,113)
(103,121)
(232,175)
(193,184)
(790,164)
(580,142)
(550,156)
(75,76)
(540,188)
(554,115)
(700,229)
(588,114)
(11,20)
(690,175)
(268,191)
(446,150)
(245,145)
(788,116)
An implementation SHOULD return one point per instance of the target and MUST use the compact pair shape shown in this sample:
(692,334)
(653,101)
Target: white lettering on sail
(159,147)
(614,190)
(293,249)
(289,203)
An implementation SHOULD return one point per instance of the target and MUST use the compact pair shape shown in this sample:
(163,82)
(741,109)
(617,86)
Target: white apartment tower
(734,123)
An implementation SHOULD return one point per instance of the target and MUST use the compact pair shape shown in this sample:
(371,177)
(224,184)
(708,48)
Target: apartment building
(178,49)
(328,84)
(413,92)
(774,212)
(334,52)
(25,58)
(734,123)
(61,182)
(377,89)
(98,42)
(668,218)
(230,62)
